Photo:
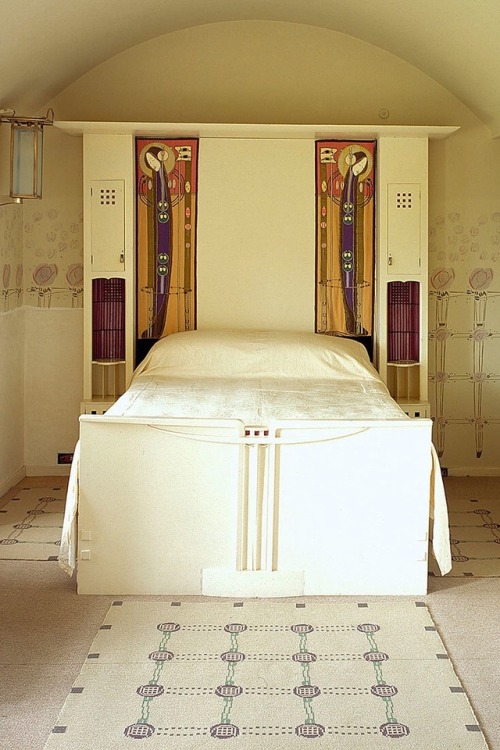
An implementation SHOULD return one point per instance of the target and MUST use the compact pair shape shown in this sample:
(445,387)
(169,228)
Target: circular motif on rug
(375,656)
(307,691)
(150,691)
(224,731)
(394,729)
(384,691)
(139,731)
(302,628)
(228,691)
(368,627)
(310,730)
(235,627)
(304,657)
(232,656)
(168,627)
(161,656)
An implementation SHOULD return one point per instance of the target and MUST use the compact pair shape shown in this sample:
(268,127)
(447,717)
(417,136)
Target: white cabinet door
(404,216)
(107,240)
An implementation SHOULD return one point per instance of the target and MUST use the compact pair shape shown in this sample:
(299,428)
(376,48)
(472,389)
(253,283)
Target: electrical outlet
(65,458)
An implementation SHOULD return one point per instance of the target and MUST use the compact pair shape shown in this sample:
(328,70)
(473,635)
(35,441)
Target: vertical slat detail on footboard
(258,535)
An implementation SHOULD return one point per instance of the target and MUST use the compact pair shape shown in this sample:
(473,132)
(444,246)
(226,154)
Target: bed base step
(249,583)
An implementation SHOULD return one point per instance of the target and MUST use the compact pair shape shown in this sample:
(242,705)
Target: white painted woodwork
(255,242)
(402,231)
(149,524)
(109,251)
(107,226)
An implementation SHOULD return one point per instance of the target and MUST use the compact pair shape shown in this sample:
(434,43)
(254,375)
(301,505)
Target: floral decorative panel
(345,186)
(166,236)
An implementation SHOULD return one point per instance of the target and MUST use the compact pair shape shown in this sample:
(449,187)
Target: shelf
(108,362)
(254,130)
(403,381)
(95,406)
(404,363)
(415,409)
(108,379)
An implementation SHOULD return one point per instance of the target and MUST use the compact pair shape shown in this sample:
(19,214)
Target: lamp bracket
(6,200)
(9,115)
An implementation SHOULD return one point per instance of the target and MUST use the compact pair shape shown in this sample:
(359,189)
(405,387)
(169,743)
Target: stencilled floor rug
(265,674)
(474,519)
(31,524)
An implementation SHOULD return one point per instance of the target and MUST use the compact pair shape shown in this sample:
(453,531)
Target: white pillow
(257,354)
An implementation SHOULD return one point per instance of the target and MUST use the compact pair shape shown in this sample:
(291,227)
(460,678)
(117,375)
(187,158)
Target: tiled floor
(28,482)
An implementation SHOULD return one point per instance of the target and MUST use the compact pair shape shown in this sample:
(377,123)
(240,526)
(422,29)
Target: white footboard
(223,508)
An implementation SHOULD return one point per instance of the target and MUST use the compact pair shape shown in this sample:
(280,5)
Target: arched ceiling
(45,46)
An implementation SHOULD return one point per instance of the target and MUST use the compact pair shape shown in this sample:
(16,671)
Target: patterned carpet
(267,674)
(31,523)
(474,519)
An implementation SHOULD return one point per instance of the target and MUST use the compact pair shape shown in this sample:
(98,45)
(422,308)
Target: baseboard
(473,471)
(12,480)
(48,471)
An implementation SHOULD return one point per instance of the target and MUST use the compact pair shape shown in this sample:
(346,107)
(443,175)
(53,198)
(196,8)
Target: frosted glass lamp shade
(26,152)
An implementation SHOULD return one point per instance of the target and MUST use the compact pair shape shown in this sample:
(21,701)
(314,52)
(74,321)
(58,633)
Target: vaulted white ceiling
(47,44)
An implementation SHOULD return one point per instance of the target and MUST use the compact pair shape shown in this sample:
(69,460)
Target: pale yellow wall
(53,228)
(53,384)
(41,269)
(279,72)
(464,270)
(256,71)
(53,297)
(11,347)
(255,234)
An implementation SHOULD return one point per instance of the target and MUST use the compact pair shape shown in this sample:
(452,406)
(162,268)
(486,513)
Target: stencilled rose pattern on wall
(464,337)
(53,258)
(11,257)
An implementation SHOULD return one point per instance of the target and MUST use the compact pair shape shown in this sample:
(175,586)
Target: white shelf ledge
(249,130)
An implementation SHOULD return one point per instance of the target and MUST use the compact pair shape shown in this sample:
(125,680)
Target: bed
(254,463)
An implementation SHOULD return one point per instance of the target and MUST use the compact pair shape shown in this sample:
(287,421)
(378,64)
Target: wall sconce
(26,153)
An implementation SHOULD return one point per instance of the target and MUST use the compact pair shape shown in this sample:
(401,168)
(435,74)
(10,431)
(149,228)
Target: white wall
(11,347)
(11,398)
(52,385)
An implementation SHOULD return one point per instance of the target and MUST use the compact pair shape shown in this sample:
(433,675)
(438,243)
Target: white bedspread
(68,548)
(259,378)
(256,400)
